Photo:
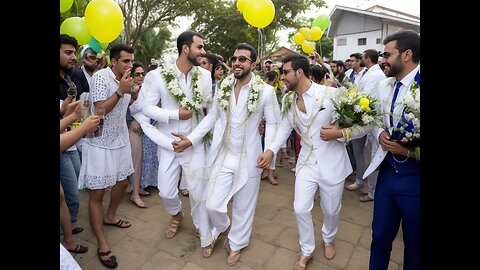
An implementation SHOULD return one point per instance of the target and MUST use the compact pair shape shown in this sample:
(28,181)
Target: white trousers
(307,182)
(168,191)
(243,205)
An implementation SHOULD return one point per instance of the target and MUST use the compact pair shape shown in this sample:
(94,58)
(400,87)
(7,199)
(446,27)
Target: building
(355,30)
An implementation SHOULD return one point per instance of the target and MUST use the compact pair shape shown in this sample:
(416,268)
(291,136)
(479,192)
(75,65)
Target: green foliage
(152,44)
(224,27)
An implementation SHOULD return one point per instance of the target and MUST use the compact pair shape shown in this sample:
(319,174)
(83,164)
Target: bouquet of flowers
(354,111)
(407,131)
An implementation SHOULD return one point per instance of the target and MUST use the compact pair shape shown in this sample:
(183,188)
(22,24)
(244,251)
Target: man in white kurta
(178,87)
(241,101)
(321,164)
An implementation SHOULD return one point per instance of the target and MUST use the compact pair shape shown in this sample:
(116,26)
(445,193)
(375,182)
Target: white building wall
(343,52)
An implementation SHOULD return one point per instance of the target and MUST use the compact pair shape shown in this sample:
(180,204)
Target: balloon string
(260,43)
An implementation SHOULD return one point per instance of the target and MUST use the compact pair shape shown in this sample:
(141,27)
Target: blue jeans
(69,170)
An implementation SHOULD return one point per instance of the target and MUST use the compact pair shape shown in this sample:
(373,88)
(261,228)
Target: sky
(407,6)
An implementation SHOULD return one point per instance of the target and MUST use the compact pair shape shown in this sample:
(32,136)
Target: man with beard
(397,195)
(183,90)
(240,103)
(323,161)
(82,76)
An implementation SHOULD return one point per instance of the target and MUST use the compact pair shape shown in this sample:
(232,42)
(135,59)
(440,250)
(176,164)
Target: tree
(152,44)
(224,27)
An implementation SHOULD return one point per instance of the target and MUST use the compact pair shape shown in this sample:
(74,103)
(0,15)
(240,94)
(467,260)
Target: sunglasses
(138,74)
(240,58)
(92,57)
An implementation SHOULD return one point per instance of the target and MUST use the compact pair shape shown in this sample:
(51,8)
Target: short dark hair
(356,55)
(372,54)
(135,66)
(246,46)
(318,72)
(298,61)
(186,38)
(406,40)
(271,75)
(66,39)
(339,63)
(118,48)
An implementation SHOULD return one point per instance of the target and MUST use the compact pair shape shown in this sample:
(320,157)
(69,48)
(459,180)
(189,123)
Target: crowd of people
(212,128)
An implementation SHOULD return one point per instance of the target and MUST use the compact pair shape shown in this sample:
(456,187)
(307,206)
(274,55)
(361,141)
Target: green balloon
(77,28)
(95,45)
(65,5)
(322,21)
(104,46)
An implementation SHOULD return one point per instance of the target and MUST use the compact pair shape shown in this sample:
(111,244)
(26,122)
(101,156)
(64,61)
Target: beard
(393,70)
(243,74)
(193,59)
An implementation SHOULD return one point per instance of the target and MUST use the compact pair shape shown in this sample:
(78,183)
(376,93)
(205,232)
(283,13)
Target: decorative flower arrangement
(196,104)
(354,111)
(253,94)
(407,130)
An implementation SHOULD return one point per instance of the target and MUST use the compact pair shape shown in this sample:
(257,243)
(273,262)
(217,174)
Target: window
(378,41)
(362,41)
(341,42)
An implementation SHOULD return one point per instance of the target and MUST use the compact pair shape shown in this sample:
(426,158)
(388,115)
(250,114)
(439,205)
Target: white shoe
(354,186)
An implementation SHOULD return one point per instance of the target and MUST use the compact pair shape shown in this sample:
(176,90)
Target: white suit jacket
(267,108)
(385,96)
(153,91)
(331,156)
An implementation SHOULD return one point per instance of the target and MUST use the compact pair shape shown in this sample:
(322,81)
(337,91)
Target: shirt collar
(111,74)
(407,80)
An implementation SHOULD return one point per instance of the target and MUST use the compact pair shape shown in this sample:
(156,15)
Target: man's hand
(180,146)
(126,82)
(74,108)
(185,114)
(90,124)
(264,159)
(391,145)
(330,132)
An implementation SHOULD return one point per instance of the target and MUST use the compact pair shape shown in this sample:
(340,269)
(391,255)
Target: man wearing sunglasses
(162,86)
(241,101)
(83,75)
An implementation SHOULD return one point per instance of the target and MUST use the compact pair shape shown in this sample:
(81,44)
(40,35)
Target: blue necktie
(395,94)
(352,76)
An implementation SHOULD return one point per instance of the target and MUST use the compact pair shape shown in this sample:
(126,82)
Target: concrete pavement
(273,246)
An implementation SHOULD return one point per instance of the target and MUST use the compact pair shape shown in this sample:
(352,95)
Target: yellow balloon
(104,20)
(316,33)
(259,13)
(241,5)
(308,46)
(304,31)
(298,38)
(76,27)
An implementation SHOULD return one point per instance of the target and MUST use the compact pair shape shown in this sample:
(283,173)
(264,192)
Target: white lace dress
(107,159)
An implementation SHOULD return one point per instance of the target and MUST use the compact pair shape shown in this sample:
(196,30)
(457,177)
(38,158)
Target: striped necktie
(395,94)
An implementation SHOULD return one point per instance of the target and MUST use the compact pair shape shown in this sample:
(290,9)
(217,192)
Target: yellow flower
(352,91)
(365,103)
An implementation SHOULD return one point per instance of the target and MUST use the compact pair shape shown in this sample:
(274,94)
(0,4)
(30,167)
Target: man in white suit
(322,164)
(366,145)
(183,90)
(241,101)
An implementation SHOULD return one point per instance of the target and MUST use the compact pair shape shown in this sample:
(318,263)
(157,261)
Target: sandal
(79,249)
(208,250)
(121,224)
(329,251)
(273,182)
(302,263)
(233,256)
(77,230)
(173,227)
(110,262)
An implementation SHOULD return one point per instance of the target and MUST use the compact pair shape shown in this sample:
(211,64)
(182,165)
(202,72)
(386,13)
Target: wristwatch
(119,93)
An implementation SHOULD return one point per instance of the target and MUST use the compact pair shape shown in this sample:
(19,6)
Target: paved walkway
(273,246)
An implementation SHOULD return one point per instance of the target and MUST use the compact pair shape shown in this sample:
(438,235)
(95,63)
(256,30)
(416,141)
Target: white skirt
(102,167)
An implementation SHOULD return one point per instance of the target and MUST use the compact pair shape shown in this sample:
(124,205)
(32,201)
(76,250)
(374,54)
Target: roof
(400,17)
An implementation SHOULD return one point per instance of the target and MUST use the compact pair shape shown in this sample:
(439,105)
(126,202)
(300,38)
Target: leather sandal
(172,228)
(329,251)
(208,250)
(110,262)
(233,256)
(302,263)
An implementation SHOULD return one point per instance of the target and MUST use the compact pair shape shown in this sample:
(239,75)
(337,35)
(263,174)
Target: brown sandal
(173,227)
(208,250)
(329,251)
(233,256)
(110,262)
(302,263)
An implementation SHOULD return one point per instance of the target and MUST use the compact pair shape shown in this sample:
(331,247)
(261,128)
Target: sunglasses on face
(138,74)
(92,58)
(241,58)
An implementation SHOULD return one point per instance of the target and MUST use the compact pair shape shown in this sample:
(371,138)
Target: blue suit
(397,195)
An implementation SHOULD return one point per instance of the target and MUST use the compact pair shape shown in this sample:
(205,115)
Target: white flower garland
(171,80)
(254,92)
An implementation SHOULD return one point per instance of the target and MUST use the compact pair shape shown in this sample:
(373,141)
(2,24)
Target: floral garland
(196,104)
(287,102)
(225,86)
